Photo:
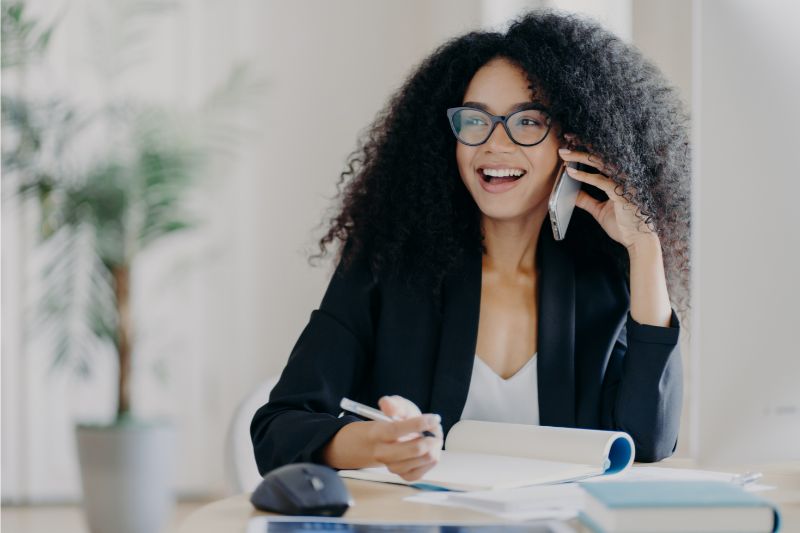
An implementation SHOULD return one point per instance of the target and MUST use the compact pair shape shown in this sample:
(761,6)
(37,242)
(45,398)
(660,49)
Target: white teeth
(503,172)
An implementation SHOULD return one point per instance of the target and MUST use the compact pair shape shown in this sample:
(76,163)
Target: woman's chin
(504,213)
(513,211)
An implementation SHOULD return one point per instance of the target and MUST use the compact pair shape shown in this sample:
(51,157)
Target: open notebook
(494,455)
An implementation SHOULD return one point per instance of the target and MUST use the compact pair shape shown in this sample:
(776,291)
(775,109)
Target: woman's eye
(474,122)
(529,122)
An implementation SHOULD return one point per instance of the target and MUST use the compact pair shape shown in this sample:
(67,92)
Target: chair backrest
(240,462)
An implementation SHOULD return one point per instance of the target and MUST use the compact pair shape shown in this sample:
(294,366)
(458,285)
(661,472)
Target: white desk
(381,501)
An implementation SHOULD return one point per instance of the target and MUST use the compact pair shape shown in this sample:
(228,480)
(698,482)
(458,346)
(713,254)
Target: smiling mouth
(496,179)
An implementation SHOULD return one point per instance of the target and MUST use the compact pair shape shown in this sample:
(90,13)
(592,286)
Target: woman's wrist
(649,297)
(350,447)
(646,247)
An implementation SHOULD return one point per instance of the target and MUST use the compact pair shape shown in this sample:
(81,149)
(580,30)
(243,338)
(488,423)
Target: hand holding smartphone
(563,196)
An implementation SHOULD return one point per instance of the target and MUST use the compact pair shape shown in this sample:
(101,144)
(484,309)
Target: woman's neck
(511,244)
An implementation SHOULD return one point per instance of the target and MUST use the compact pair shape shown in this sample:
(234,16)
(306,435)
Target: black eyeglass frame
(503,119)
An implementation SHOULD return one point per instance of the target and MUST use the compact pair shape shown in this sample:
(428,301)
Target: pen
(371,413)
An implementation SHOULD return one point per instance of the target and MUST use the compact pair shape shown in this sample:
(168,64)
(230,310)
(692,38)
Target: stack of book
(675,507)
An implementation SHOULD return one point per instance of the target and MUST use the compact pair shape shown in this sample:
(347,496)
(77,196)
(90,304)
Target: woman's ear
(566,140)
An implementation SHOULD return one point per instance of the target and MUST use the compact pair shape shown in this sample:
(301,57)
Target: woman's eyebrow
(515,107)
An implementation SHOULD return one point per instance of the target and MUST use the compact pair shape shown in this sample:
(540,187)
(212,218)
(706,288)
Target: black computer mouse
(302,489)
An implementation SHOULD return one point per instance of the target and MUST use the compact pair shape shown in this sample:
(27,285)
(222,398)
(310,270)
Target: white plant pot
(127,476)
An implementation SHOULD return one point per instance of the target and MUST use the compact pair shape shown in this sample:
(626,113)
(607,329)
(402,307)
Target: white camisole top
(494,399)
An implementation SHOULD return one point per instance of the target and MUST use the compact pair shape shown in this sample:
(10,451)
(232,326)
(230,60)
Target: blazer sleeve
(326,363)
(643,388)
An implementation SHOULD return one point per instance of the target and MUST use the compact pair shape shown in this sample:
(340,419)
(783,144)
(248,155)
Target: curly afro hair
(406,206)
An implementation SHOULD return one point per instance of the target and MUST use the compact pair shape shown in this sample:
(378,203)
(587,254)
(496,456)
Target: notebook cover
(626,494)
(643,494)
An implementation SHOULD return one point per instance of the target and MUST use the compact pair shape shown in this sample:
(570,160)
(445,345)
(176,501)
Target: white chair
(240,463)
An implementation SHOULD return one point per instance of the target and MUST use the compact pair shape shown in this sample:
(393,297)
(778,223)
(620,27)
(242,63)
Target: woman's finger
(589,159)
(417,473)
(392,431)
(407,465)
(598,180)
(393,452)
(389,406)
(592,205)
(398,407)
(585,158)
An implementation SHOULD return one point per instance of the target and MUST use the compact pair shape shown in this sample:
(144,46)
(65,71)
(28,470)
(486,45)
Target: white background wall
(746,191)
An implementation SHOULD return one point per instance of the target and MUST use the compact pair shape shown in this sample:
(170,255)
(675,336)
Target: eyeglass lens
(472,126)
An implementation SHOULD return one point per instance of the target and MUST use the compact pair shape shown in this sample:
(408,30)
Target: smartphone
(564,193)
(562,200)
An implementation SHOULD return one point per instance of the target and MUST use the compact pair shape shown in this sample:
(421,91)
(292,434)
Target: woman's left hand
(617,216)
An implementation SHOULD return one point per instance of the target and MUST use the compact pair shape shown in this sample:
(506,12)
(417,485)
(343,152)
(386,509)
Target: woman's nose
(499,139)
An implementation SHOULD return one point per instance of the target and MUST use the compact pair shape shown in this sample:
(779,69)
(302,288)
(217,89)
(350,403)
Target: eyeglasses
(473,126)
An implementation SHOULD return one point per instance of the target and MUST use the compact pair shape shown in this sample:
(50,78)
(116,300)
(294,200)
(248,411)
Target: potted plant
(94,221)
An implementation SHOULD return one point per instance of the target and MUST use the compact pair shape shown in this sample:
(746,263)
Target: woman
(451,295)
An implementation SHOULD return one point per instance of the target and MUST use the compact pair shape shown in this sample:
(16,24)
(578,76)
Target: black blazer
(598,368)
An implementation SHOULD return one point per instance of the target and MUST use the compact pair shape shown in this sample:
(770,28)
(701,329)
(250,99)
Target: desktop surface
(383,502)
(374,502)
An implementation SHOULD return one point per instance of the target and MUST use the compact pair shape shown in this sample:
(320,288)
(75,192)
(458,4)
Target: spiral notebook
(494,455)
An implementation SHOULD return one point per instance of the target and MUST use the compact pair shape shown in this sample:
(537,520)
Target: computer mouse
(302,489)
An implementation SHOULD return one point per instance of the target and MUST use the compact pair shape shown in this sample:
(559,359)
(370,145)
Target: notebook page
(610,451)
(469,471)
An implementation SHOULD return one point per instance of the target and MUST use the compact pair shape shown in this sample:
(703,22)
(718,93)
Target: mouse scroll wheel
(316,483)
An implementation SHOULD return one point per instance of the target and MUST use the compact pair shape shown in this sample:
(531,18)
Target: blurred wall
(663,32)
(747,80)
(614,15)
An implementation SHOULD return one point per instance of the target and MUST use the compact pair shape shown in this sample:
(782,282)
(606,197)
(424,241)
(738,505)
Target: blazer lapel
(461,302)
(556,332)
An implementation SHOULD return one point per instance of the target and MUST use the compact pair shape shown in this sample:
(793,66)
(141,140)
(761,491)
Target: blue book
(675,507)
